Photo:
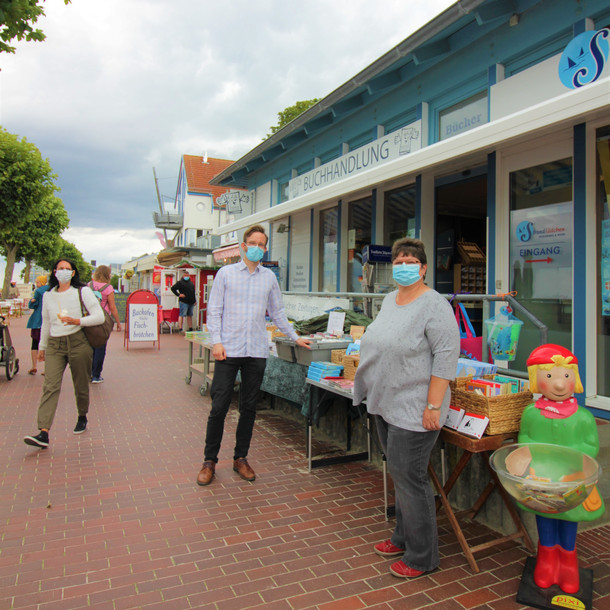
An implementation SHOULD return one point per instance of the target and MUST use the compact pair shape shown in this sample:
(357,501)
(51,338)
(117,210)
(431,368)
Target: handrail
(486,299)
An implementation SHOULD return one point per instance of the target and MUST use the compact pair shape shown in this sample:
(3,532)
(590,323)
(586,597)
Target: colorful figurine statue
(556,418)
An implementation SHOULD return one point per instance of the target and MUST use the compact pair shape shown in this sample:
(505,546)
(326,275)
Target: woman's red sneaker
(402,570)
(387,549)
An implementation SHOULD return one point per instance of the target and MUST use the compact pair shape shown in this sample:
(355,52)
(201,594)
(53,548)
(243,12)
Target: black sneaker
(81,424)
(40,440)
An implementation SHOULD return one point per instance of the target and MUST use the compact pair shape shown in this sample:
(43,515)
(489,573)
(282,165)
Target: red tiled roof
(199,174)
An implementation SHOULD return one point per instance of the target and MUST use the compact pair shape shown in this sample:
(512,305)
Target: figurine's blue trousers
(557,531)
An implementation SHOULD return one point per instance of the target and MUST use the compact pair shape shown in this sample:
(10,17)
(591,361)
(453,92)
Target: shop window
(399,214)
(284,192)
(463,117)
(329,243)
(603,261)
(541,246)
(359,223)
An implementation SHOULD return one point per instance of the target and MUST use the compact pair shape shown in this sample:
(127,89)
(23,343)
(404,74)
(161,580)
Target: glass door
(541,248)
(603,260)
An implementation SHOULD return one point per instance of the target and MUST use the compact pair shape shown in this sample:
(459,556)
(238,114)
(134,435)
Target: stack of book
(497,386)
(339,383)
(319,370)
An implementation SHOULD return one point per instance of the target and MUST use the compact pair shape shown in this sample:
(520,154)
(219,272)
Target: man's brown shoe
(206,474)
(242,468)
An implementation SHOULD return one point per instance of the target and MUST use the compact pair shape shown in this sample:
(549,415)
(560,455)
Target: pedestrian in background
(184,289)
(62,343)
(101,285)
(241,295)
(35,320)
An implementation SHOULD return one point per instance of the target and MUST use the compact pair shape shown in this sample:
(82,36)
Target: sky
(120,87)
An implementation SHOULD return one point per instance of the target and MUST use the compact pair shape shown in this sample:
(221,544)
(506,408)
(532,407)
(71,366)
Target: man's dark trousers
(225,373)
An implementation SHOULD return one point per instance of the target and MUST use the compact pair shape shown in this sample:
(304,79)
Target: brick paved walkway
(113,518)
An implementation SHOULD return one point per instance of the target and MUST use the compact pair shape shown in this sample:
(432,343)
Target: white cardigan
(68,303)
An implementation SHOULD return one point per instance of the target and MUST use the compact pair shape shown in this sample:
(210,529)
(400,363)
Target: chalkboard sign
(120,299)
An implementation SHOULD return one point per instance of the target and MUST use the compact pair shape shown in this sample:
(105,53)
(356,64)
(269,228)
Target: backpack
(98,293)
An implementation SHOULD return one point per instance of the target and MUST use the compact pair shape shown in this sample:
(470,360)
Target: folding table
(485,446)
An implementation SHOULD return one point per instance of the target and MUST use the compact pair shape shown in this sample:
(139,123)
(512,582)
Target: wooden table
(485,446)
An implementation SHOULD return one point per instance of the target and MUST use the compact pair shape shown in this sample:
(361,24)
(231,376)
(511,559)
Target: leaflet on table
(454,418)
(336,320)
(473,425)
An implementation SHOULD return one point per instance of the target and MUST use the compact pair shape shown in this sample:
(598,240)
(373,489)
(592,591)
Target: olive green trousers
(75,351)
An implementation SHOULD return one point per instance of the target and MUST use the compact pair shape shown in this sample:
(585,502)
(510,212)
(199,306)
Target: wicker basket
(336,356)
(350,366)
(504,412)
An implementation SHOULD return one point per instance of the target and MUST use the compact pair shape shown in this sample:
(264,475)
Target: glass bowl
(546,478)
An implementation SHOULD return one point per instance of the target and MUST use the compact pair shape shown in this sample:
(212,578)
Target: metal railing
(485,299)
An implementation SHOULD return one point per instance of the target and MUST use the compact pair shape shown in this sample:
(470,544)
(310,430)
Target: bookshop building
(489,126)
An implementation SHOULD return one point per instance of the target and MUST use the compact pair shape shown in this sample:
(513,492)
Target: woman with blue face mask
(63,343)
(408,355)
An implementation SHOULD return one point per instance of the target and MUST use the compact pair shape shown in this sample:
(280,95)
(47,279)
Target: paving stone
(113,518)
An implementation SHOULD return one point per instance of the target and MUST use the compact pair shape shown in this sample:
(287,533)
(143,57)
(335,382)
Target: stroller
(8,356)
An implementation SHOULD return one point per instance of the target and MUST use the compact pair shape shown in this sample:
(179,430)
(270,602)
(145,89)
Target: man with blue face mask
(241,295)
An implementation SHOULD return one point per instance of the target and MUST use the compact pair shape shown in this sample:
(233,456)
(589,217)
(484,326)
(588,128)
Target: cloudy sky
(122,86)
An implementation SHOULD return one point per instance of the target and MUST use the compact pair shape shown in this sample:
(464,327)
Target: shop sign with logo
(387,148)
(541,241)
(584,58)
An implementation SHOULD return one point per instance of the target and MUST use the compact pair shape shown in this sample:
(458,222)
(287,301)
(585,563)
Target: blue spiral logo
(525,230)
(583,60)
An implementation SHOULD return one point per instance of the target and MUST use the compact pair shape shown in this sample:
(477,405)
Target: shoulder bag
(471,346)
(96,335)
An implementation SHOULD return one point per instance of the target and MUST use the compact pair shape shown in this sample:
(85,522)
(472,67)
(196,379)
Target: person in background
(241,295)
(408,355)
(101,284)
(184,289)
(62,342)
(35,320)
(13,291)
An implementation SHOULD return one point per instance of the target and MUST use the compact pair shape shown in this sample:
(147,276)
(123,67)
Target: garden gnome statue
(556,418)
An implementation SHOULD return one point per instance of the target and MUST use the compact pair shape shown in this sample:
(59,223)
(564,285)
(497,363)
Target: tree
(290,113)
(31,217)
(16,20)
(66,249)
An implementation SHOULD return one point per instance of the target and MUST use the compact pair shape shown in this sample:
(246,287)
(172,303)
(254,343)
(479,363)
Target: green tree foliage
(66,249)
(290,113)
(16,20)
(31,216)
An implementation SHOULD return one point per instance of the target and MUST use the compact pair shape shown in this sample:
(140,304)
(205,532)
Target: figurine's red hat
(544,354)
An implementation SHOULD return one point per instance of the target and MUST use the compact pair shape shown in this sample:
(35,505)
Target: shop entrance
(461,219)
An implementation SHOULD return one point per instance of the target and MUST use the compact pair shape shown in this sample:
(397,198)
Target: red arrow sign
(548,259)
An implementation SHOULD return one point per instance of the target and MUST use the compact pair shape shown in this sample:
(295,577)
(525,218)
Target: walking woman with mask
(62,343)
(408,355)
